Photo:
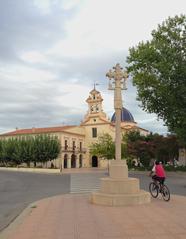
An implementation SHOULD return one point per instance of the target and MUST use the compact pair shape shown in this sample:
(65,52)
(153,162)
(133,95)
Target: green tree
(104,147)
(41,148)
(133,136)
(166,148)
(27,149)
(9,152)
(158,68)
(55,148)
(2,152)
(46,148)
(152,146)
(140,147)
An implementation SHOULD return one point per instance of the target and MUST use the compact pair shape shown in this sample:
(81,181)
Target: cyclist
(158,172)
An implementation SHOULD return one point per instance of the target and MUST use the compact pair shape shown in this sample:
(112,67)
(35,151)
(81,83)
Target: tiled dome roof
(125,116)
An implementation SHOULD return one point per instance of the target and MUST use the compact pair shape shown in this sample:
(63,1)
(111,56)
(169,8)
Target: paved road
(175,181)
(18,190)
(81,183)
(86,182)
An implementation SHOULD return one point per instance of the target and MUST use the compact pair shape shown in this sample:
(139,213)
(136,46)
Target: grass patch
(34,206)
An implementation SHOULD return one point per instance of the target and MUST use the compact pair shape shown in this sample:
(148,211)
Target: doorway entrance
(73,161)
(94,161)
(80,161)
(65,161)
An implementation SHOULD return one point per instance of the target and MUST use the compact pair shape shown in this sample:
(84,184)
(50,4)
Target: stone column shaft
(117,107)
(69,163)
(77,162)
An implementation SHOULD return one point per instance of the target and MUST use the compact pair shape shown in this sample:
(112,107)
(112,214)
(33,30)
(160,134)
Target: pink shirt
(159,170)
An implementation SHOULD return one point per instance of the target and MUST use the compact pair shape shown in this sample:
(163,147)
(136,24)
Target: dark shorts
(160,179)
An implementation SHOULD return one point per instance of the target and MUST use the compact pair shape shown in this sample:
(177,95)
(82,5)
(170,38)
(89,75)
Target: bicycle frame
(156,187)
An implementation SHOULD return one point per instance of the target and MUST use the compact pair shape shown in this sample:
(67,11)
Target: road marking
(85,183)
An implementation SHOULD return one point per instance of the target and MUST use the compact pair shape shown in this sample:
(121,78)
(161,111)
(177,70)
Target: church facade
(75,139)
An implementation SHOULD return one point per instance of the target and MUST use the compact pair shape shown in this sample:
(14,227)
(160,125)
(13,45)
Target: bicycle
(156,187)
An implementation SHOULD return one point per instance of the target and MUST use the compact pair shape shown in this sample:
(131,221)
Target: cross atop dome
(95,85)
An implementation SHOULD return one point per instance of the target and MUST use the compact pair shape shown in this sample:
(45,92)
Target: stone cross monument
(119,83)
(118,189)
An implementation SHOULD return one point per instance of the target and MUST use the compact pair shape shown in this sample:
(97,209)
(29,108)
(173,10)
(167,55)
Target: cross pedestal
(118,189)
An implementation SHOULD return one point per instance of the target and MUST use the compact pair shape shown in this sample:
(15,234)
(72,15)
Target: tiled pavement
(73,217)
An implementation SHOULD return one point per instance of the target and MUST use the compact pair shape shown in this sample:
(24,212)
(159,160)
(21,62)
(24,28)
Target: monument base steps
(118,189)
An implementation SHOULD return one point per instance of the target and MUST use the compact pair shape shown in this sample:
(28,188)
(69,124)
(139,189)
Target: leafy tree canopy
(152,146)
(104,147)
(41,148)
(158,68)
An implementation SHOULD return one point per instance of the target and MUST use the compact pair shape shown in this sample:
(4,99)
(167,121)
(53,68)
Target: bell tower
(95,109)
(94,102)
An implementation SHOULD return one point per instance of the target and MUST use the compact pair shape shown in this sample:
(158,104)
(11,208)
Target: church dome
(126,116)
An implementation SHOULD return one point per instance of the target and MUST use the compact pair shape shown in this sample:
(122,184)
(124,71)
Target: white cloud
(69,4)
(65,46)
(73,95)
(150,120)
(103,26)
(27,75)
(33,57)
(43,5)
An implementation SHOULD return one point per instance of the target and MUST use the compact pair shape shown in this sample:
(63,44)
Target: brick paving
(73,217)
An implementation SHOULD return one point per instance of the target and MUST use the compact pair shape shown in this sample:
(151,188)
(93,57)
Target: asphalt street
(176,181)
(18,189)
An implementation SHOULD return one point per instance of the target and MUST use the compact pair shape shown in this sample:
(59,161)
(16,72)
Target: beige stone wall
(82,134)
(182,157)
(73,134)
(95,118)
(101,129)
(76,130)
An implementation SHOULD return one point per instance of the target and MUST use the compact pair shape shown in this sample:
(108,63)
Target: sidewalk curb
(12,228)
(54,171)
(18,220)
(31,170)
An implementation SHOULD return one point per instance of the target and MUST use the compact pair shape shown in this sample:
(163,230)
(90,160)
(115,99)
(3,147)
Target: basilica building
(75,139)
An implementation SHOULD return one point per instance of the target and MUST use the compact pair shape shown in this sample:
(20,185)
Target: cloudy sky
(53,51)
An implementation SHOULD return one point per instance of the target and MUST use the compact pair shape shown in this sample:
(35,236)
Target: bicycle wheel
(154,190)
(165,193)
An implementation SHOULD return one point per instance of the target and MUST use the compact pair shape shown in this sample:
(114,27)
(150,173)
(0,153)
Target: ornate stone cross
(117,82)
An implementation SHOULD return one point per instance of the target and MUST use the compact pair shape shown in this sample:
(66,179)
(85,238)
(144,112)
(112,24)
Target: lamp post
(117,82)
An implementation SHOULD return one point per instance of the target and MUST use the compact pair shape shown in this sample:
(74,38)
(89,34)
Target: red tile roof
(38,130)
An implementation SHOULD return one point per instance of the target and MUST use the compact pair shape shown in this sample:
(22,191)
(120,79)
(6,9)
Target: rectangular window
(94,132)
(66,144)
(80,145)
(73,145)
